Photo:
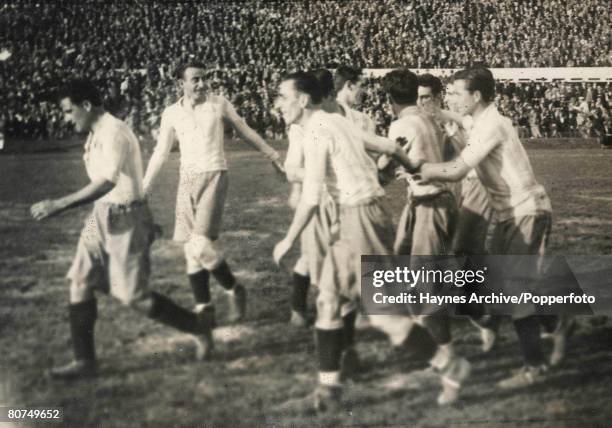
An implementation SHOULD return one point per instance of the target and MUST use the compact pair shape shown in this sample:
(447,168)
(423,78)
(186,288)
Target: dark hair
(478,79)
(402,85)
(307,83)
(430,81)
(326,82)
(344,74)
(80,90)
(179,73)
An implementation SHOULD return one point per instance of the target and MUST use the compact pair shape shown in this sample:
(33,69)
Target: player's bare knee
(328,314)
(201,253)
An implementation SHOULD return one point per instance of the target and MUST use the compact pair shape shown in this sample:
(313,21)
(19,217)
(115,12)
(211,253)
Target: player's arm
(165,141)
(114,151)
(249,135)
(480,144)
(93,191)
(389,148)
(453,170)
(315,160)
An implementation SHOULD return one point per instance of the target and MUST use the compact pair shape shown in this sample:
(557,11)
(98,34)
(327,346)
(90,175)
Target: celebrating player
(335,155)
(113,250)
(474,209)
(428,219)
(196,121)
(348,84)
(520,203)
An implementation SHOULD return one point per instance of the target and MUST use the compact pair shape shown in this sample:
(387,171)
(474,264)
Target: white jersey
(425,142)
(335,156)
(199,132)
(294,162)
(112,152)
(359,118)
(496,152)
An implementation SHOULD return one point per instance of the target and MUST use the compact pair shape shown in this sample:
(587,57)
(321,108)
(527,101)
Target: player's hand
(45,209)
(278,167)
(280,250)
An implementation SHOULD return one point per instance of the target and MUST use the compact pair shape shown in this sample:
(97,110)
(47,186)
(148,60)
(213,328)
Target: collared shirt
(496,152)
(425,142)
(199,132)
(295,152)
(112,152)
(359,118)
(335,156)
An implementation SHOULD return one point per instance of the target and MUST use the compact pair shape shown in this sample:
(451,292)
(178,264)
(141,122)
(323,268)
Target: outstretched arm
(93,191)
(165,141)
(453,170)
(249,135)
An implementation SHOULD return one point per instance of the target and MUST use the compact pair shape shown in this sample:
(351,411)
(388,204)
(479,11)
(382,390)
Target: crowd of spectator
(537,109)
(132,48)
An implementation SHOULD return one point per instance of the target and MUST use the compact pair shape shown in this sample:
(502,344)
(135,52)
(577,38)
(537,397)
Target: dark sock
(299,292)
(349,328)
(528,331)
(418,346)
(167,312)
(224,276)
(439,328)
(549,322)
(82,321)
(200,286)
(330,344)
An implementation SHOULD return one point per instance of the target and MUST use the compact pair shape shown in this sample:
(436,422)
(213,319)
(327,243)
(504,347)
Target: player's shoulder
(320,124)
(112,129)
(172,109)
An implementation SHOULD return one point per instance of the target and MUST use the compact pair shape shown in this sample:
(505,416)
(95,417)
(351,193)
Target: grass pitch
(264,369)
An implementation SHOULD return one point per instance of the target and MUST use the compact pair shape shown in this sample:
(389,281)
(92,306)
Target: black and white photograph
(306,213)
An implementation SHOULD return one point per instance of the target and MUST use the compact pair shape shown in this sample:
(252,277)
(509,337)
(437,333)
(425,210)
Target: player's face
(288,102)
(78,114)
(449,97)
(465,101)
(356,92)
(194,83)
(426,98)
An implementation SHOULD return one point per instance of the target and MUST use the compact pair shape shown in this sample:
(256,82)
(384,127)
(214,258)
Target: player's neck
(479,109)
(307,114)
(342,98)
(191,102)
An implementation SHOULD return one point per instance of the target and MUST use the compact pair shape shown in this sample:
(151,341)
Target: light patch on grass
(249,275)
(164,344)
(410,381)
(246,234)
(12,213)
(586,221)
(274,201)
(233,333)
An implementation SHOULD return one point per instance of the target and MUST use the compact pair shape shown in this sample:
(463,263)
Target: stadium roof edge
(603,74)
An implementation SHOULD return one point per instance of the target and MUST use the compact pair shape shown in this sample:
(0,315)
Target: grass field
(264,368)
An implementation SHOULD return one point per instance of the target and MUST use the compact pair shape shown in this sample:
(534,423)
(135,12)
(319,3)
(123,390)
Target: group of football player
(463,166)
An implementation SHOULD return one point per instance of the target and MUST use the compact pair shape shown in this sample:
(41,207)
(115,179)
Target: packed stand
(132,49)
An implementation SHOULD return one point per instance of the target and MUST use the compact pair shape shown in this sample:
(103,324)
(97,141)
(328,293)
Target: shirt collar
(99,122)
(408,110)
